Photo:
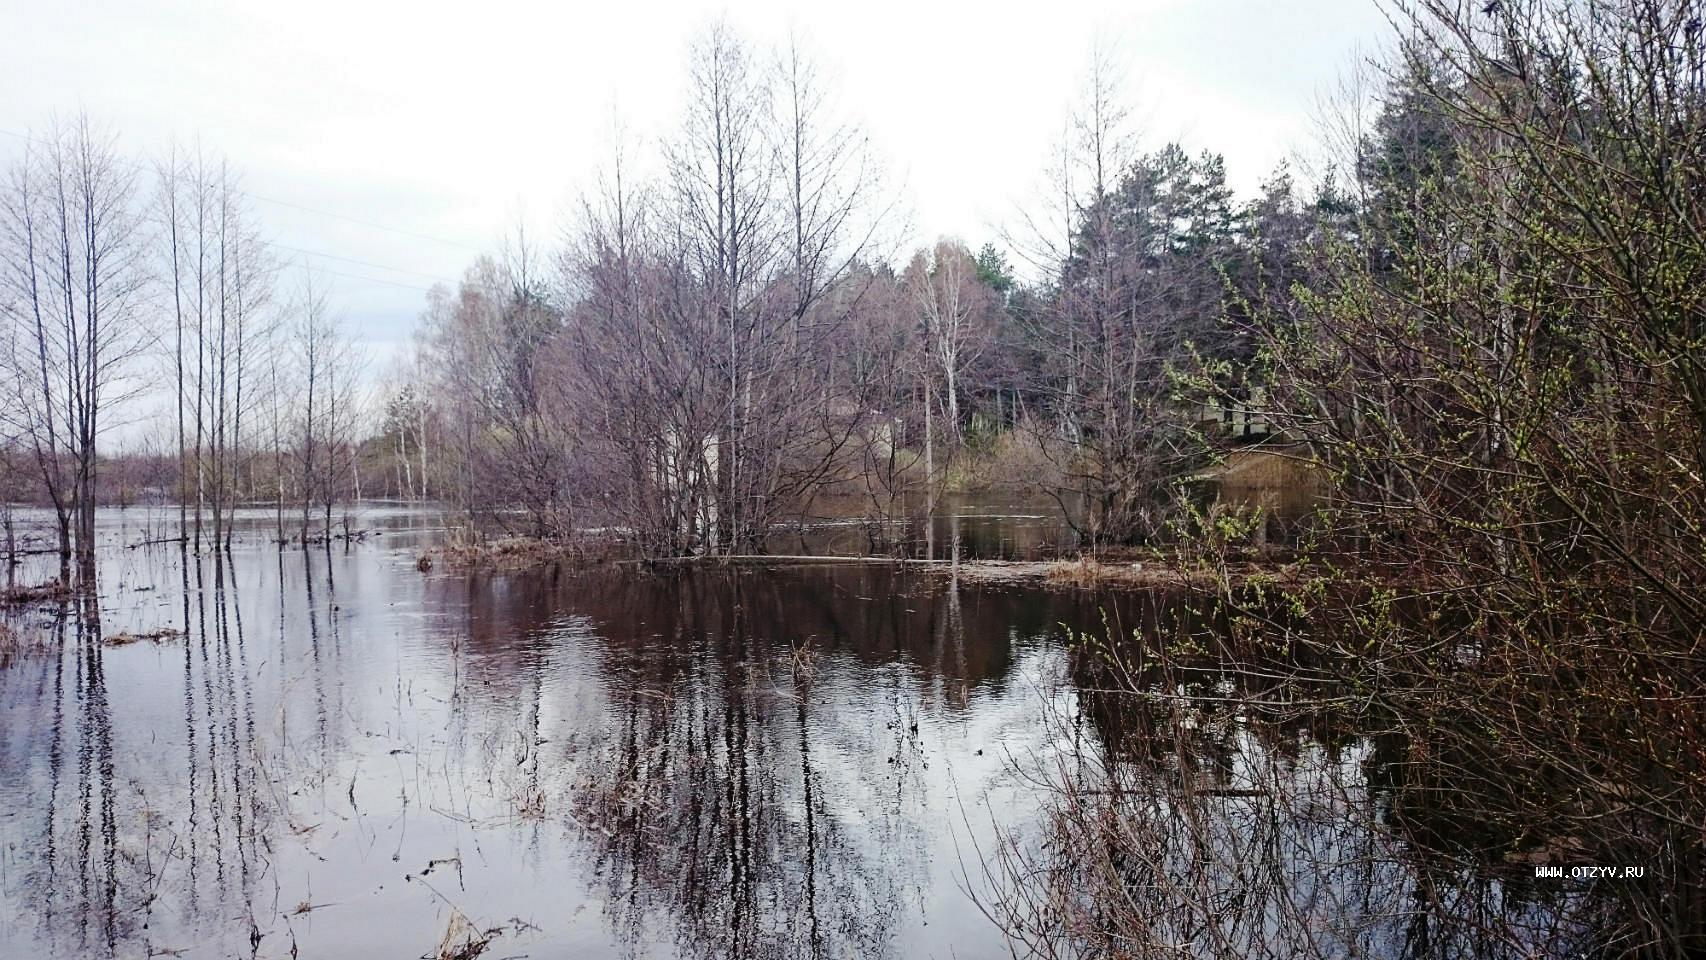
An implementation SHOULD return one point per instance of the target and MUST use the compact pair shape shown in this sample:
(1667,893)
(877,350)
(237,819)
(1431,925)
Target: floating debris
(162,635)
(24,595)
(461,940)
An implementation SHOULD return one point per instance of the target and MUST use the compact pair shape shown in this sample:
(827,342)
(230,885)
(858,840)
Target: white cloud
(444,120)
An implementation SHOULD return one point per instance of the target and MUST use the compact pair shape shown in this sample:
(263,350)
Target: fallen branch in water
(157,542)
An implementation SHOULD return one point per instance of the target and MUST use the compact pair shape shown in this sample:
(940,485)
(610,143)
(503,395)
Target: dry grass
(125,639)
(515,553)
(1088,573)
(1092,573)
(461,940)
(530,803)
(23,595)
(1013,461)
(802,662)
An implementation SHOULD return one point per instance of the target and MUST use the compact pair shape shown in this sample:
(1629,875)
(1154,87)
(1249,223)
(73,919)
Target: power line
(332,256)
(360,263)
(393,283)
(365,223)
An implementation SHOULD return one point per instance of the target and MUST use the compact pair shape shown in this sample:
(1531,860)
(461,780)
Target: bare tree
(955,314)
(221,277)
(708,300)
(326,368)
(73,261)
(489,348)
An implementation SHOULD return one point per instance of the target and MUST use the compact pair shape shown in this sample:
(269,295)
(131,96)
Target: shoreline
(1087,571)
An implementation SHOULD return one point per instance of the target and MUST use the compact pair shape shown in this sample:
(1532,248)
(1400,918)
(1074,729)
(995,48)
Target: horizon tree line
(718,347)
(712,352)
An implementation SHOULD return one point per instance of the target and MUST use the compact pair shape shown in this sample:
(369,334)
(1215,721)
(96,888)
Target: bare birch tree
(954,312)
(326,414)
(73,260)
(221,278)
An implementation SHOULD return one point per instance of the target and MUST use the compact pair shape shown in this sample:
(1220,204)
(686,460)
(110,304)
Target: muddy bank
(517,553)
(1127,569)
(1090,573)
(1082,573)
(25,595)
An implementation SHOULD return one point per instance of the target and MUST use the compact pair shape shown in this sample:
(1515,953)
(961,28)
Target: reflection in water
(707,812)
(334,751)
(1225,803)
(109,839)
(977,528)
(339,751)
(88,804)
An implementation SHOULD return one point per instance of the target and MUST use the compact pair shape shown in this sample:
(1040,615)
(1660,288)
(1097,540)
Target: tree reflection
(1222,800)
(120,841)
(752,779)
(703,800)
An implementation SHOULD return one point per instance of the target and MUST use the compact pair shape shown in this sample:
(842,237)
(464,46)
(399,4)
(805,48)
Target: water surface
(336,753)
(341,749)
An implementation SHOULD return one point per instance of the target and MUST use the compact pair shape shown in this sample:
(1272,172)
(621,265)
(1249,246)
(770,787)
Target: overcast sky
(388,143)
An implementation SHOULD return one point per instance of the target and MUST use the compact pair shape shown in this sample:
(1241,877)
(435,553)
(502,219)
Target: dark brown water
(341,749)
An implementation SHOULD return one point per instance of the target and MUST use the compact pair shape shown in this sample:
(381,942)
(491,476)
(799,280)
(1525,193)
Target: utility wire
(360,263)
(365,223)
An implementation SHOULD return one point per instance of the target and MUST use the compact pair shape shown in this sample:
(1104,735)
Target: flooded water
(335,754)
(341,749)
(980,527)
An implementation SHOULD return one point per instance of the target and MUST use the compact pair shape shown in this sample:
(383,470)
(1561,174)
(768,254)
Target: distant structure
(1242,419)
(1264,469)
